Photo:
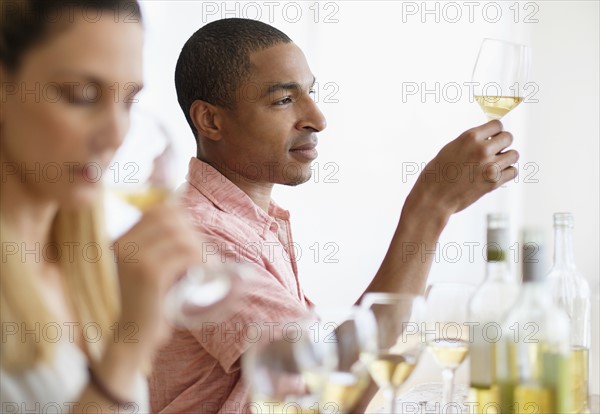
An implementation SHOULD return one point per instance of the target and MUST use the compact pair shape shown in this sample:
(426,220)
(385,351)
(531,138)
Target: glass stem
(448,376)
(390,400)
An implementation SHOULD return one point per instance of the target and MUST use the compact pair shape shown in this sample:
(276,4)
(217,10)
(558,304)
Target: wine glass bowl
(499,76)
(276,380)
(329,356)
(394,349)
(205,293)
(142,171)
(447,334)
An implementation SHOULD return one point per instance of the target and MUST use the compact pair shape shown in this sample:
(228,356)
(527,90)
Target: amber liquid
(448,353)
(390,370)
(495,107)
(263,406)
(579,361)
(548,388)
(343,390)
(483,394)
(145,199)
(483,399)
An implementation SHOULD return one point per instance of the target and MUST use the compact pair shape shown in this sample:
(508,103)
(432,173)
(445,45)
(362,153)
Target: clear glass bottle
(572,293)
(489,304)
(533,370)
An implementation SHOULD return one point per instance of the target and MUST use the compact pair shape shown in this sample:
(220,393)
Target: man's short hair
(216,60)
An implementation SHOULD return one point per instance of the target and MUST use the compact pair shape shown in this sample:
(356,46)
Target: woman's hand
(151,256)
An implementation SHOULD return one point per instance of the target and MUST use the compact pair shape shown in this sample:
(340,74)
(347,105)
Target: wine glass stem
(390,400)
(448,376)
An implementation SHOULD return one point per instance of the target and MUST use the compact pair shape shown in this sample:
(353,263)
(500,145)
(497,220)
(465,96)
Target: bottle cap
(564,220)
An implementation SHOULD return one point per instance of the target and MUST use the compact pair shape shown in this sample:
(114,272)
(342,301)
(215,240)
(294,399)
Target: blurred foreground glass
(329,357)
(392,350)
(142,175)
(500,75)
(446,333)
(277,384)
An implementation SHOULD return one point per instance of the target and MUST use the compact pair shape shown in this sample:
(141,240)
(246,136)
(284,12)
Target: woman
(74,334)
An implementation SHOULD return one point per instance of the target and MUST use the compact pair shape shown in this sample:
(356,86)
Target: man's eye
(284,101)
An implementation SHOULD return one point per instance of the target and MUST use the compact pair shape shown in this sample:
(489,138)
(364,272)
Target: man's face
(271,135)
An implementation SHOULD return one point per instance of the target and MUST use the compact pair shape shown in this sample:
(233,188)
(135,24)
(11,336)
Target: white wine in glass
(329,358)
(499,76)
(144,198)
(446,333)
(343,390)
(277,382)
(495,107)
(391,370)
(448,352)
(142,172)
(393,351)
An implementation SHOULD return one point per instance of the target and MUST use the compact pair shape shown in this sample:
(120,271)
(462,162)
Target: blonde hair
(90,284)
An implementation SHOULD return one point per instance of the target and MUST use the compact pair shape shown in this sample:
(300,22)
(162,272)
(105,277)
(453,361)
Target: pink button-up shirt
(199,370)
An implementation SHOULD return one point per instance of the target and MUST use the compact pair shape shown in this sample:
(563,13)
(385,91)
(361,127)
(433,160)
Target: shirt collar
(228,197)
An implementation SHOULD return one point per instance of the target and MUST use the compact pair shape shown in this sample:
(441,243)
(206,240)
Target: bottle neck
(535,291)
(563,247)
(497,271)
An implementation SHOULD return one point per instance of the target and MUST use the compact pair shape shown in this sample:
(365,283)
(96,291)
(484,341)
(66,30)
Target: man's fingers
(495,172)
(485,131)
(500,141)
(508,174)
(506,159)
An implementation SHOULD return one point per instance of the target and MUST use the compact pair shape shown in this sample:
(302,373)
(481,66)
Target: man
(245,89)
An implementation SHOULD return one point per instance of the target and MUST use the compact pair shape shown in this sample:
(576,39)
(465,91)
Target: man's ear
(205,118)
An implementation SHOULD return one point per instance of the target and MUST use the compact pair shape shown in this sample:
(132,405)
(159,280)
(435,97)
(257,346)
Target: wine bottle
(533,370)
(487,307)
(572,293)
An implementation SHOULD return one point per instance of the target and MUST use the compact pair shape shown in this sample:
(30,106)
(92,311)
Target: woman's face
(65,109)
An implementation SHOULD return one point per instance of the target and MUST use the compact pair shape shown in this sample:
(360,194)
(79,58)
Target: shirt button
(274,227)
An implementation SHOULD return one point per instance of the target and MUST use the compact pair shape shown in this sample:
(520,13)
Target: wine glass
(277,384)
(392,352)
(329,357)
(446,333)
(499,76)
(142,174)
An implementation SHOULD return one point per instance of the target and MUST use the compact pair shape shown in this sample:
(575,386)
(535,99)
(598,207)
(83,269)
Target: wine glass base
(427,398)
